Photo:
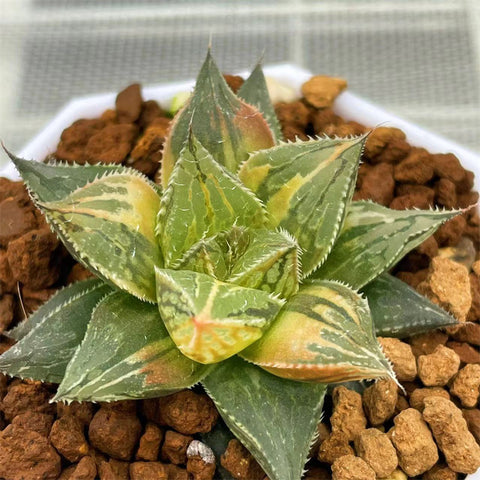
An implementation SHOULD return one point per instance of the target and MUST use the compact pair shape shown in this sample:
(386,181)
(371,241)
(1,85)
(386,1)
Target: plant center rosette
(247,268)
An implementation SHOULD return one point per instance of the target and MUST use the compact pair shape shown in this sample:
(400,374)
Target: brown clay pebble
(321,91)
(448,285)
(174,448)
(188,412)
(24,397)
(16,220)
(27,455)
(238,461)
(414,169)
(379,139)
(348,416)
(8,284)
(83,411)
(461,451)
(150,441)
(426,343)
(469,332)
(38,422)
(177,473)
(201,461)
(148,471)
(465,351)
(7,304)
(446,193)
(85,470)
(436,369)
(114,470)
(379,401)
(67,472)
(447,165)
(418,396)
(128,104)
(416,449)
(377,450)
(234,82)
(78,273)
(350,467)
(402,404)
(440,472)
(318,473)
(450,233)
(115,432)
(377,185)
(68,438)
(334,446)
(32,258)
(472,417)
(466,385)
(402,358)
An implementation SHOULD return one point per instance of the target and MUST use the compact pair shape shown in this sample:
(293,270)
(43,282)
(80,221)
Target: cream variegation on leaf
(240,273)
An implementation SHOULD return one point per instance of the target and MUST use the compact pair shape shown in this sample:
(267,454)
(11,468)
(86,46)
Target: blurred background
(419,59)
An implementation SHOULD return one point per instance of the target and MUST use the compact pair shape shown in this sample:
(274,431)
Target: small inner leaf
(374,238)
(255,92)
(201,200)
(127,354)
(109,226)
(399,311)
(323,334)
(211,320)
(225,125)
(48,339)
(306,187)
(274,418)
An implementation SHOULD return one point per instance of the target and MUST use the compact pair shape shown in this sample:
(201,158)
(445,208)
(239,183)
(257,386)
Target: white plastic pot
(347,105)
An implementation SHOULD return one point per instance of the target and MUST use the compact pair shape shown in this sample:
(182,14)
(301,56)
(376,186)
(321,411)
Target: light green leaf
(255,92)
(48,182)
(274,418)
(374,238)
(399,311)
(109,226)
(261,259)
(323,334)
(225,125)
(48,339)
(201,200)
(210,320)
(126,354)
(306,187)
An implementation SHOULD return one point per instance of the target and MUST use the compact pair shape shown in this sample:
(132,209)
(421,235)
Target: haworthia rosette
(48,339)
(399,311)
(126,354)
(374,238)
(225,125)
(306,187)
(49,182)
(202,199)
(274,418)
(262,259)
(210,320)
(323,334)
(255,92)
(109,226)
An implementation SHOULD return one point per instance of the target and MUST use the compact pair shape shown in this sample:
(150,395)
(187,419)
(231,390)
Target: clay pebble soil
(429,430)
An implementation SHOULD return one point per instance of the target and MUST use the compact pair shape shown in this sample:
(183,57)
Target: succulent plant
(243,271)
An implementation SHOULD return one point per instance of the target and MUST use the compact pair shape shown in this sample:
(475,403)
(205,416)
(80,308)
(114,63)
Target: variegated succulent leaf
(48,339)
(276,419)
(306,187)
(323,334)
(400,311)
(255,92)
(109,226)
(254,258)
(210,320)
(126,354)
(374,238)
(226,126)
(202,199)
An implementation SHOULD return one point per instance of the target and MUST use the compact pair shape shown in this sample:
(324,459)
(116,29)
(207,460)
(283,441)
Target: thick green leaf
(48,339)
(225,125)
(126,354)
(201,200)
(109,226)
(323,334)
(374,238)
(49,182)
(262,259)
(275,419)
(255,92)
(210,320)
(399,311)
(306,187)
